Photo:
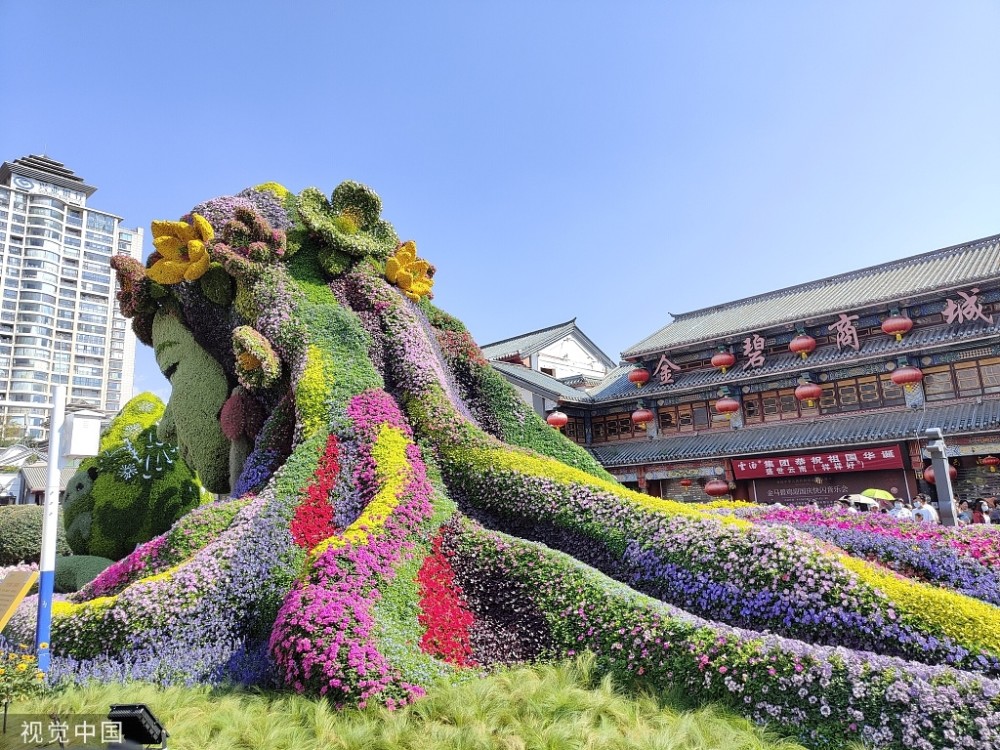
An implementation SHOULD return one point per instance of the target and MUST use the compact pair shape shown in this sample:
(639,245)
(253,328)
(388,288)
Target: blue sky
(610,161)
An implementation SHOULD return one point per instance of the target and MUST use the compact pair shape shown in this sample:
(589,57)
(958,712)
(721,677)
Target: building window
(614,427)
(938,383)
(575,429)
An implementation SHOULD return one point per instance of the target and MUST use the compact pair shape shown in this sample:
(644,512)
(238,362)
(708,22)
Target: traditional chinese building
(813,391)
(551,365)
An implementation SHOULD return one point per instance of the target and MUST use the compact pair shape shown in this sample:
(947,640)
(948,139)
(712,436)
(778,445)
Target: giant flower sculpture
(398,515)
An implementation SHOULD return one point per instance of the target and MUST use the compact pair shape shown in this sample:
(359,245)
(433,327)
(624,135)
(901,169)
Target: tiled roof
(889,282)
(612,382)
(530,343)
(539,382)
(863,429)
(36,477)
(880,348)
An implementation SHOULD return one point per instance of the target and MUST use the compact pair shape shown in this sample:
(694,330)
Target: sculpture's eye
(92,473)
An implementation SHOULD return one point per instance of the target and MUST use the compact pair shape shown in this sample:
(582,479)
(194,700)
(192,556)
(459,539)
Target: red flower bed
(313,520)
(443,611)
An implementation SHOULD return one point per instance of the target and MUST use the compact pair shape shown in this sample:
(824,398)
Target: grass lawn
(561,707)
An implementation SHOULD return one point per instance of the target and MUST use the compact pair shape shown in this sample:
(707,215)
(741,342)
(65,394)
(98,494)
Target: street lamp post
(50,528)
(942,480)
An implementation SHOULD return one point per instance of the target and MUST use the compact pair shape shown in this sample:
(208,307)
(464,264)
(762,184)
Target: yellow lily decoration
(408,272)
(183,251)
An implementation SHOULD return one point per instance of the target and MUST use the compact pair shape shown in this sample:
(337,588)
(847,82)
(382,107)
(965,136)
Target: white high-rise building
(59,320)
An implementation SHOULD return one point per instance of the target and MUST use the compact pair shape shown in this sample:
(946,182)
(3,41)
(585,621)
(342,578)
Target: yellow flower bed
(965,620)
(724,505)
(67,609)
(275,188)
(547,468)
(311,391)
(393,471)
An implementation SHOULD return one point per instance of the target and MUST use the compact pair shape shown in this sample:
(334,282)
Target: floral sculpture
(398,515)
(133,490)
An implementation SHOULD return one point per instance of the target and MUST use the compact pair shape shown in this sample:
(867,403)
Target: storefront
(824,477)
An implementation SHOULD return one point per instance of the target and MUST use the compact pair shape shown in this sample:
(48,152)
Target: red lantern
(639,376)
(727,406)
(717,488)
(808,392)
(897,325)
(642,417)
(929,474)
(907,376)
(557,419)
(802,345)
(992,462)
(723,360)
(685,483)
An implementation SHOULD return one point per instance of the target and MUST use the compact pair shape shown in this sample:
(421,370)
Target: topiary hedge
(21,534)
(76,571)
(135,489)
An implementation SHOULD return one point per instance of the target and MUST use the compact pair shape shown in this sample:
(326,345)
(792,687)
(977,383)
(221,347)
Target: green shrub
(76,571)
(21,534)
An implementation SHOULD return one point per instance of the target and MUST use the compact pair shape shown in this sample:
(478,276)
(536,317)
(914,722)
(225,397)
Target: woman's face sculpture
(198,391)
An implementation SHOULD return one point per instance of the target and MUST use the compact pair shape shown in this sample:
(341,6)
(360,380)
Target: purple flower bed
(826,695)
(920,558)
(178,627)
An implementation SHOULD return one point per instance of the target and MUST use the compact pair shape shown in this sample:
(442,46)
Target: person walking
(925,513)
(899,511)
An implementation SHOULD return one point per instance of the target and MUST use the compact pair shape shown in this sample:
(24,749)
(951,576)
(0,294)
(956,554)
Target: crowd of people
(983,510)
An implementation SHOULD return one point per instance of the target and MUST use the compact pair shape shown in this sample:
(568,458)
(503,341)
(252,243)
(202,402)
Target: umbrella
(857,500)
(878,494)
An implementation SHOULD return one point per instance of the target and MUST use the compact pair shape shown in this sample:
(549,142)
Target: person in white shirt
(900,511)
(925,513)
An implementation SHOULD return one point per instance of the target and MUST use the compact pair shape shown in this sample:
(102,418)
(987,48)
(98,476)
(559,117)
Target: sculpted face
(198,391)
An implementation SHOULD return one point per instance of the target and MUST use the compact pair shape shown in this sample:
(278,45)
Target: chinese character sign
(847,334)
(819,463)
(753,350)
(665,369)
(71,730)
(967,308)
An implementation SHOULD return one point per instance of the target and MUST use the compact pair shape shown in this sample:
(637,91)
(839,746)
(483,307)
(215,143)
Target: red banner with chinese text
(863,459)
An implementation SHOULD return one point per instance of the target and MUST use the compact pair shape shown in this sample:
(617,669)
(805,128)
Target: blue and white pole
(50,528)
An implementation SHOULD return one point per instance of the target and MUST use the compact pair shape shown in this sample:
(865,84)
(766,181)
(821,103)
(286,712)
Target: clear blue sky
(609,161)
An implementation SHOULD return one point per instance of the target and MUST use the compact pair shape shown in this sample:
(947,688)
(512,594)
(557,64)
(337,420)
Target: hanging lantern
(802,345)
(723,359)
(727,406)
(907,376)
(896,325)
(929,474)
(808,392)
(992,462)
(557,419)
(639,376)
(717,488)
(685,483)
(642,417)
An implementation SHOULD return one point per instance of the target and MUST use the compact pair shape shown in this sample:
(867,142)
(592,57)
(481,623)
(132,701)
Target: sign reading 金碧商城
(863,459)
(13,588)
